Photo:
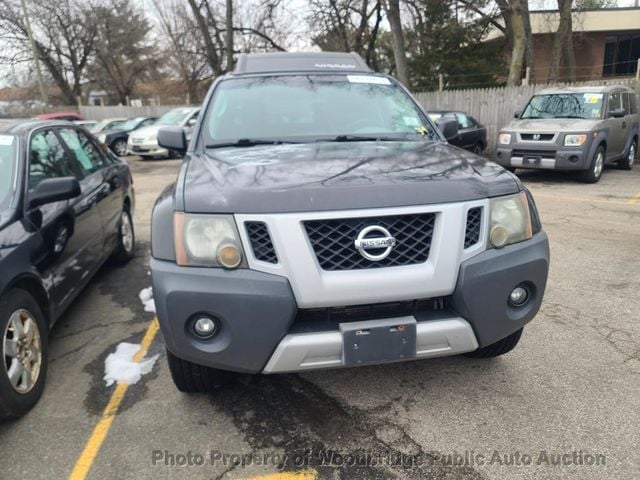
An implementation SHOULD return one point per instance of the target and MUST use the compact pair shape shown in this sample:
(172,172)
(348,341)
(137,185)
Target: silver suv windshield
(7,167)
(565,105)
(305,108)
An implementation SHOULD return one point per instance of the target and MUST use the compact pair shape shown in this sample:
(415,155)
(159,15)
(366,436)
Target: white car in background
(144,141)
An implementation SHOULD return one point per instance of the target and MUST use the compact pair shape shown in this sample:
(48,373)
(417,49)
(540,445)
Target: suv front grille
(261,242)
(474,220)
(333,241)
(550,154)
(537,137)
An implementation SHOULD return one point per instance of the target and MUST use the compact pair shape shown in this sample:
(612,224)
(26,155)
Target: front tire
(193,378)
(596,167)
(125,249)
(629,160)
(24,348)
(498,348)
(119,147)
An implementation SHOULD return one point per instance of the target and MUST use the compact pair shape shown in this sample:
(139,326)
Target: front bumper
(258,310)
(151,149)
(544,157)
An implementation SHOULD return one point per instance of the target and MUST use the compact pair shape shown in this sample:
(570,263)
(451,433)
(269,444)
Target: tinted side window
(625,102)
(48,159)
(464,121)
(633,103)
(84,150)
(615,101)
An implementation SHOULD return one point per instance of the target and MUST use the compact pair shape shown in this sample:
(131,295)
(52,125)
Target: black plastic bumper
(257,309)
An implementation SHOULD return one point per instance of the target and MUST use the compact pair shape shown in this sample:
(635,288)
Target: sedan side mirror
(53,190)
(173,138)
(516,114)
(617,113)
(448,127)
(191,123)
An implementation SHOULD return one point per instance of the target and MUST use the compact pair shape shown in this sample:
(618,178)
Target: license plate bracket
(532,159)
(378,341)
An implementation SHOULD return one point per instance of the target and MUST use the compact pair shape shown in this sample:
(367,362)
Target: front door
(617,127)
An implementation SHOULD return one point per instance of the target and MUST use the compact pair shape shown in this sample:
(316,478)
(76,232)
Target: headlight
(510,220)
(102,138)
(151,139)
(504,138)
(575,140)
(207,241)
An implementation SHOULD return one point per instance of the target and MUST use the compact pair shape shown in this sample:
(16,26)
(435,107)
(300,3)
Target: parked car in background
(65,207)
(579,129)
(70,116)
(116,138)
(471,135)
(106,124)
(85,123)
(144,141)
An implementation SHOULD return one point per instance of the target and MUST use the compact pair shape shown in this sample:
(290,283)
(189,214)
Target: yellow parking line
(635,199)
(304,475)
(584,199)
(92,447)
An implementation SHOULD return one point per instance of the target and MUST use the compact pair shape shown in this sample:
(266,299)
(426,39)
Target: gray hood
(552,125)
(332,176)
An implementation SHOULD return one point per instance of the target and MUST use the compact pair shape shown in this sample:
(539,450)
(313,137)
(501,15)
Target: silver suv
(581,128)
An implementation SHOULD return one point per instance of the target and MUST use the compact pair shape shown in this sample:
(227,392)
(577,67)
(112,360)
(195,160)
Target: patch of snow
(146,297)
(121,368)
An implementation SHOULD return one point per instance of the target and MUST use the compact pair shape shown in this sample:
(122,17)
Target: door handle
(624,124)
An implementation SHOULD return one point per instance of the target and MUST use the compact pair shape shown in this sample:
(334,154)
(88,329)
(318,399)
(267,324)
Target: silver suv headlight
(510,220)
(504,138)
(575,140)
(207,241)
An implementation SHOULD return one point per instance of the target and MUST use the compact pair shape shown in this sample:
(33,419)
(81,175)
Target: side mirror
(618,113)
(448,127)
(516,114)
(192,123)
(173,138)
(54,190)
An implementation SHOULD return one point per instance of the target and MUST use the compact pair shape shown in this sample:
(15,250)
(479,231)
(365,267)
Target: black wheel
(174,154)
(125,250)
(119,147)
(499,348)
(510,169)
(596,167)
(193,378)
(145,157)
(24,353)
(627,162)
(478,148)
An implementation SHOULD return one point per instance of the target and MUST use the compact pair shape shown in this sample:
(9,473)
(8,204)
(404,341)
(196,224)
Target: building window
(621,55)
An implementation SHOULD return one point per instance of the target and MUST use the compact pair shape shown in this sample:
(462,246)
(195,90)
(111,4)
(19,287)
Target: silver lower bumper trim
(544,163)
(311,351)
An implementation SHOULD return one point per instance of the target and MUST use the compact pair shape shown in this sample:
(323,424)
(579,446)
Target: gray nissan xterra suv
(321,220)
(581,128)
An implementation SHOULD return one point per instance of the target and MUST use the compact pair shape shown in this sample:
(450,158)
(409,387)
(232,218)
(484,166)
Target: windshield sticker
(6,139)
(592,97)
(422,130)
(368,79)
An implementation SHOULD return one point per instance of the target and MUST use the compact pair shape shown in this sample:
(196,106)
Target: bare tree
(392,8)
(562,51)
(64,37)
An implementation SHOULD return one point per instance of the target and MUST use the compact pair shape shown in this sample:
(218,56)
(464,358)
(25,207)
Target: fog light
(229,256)
(498,236)
(518,296)
(205,327)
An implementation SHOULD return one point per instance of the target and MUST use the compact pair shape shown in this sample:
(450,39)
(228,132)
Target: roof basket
(300,62)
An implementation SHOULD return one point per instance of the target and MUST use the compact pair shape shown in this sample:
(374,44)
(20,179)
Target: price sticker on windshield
(592,97)
(6,139)
(368,79)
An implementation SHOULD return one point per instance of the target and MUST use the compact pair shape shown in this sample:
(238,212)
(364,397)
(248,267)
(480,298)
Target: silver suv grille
(333,241)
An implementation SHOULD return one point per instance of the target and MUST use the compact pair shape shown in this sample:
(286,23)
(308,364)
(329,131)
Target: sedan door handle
(624,124)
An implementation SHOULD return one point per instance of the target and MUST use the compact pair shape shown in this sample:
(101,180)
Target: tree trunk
(210,48)
(528,35)
(562,54)
(519,48)
(229,35)
(392,8)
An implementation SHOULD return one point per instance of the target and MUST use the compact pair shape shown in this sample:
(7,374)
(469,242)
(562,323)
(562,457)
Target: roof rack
(300,62)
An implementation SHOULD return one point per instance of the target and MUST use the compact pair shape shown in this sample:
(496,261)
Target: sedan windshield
(565,105)
(174,117)
(130,124)
(7,166)
(311,108)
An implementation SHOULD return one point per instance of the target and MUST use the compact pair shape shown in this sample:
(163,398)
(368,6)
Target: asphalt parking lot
(567,394)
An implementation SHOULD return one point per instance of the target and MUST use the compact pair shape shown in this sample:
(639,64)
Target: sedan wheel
(120,148)
(23,364)
(125,250)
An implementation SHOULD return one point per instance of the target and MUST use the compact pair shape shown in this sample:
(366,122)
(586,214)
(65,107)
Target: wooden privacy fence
(492,107)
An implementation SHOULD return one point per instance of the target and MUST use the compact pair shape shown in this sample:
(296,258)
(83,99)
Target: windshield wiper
(248,142)
(568,116)
(365,138)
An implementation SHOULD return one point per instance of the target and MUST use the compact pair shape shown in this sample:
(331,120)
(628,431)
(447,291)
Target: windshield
(565,105)
(130,124)
(311,108)
(7,166)
(174,117)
